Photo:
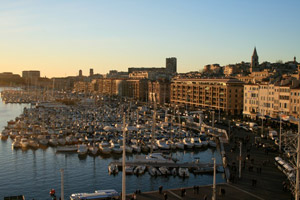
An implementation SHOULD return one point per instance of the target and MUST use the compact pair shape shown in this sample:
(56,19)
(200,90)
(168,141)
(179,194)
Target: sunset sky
(59,37)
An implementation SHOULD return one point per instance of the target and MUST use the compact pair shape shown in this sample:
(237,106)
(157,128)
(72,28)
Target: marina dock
(159,164)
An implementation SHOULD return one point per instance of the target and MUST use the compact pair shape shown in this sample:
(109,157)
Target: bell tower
(254,61)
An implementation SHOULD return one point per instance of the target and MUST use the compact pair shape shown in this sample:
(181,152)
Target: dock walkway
(160,164)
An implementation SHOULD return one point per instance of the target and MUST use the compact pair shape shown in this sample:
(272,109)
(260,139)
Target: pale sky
(59,37)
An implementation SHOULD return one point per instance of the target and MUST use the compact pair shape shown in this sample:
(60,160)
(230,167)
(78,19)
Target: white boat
(82,149)
(33,143)
(17,142)
(104,147)
(136,147)
(116,148)
(113,169)
(13,134)
(4,134)
(183,172)
(139,169)
(153,171)
(69,139)
(93,149)
(154,146)
(164,170)
(43,140)
(162,144)
(129,169)
(187,143)
(197,142)
(24,143)
(98,195)
(179,145)
(128,149)
(53,141)
(61,140)
(69,148)
(171,144)
(155,158)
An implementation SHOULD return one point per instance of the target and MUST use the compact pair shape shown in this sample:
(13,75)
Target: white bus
(97,195)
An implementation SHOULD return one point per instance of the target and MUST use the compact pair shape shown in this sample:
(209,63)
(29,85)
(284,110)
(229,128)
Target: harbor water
(33,173)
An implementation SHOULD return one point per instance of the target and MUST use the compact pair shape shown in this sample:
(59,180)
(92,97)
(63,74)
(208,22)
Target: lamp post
(280,115)
(298,162)
(219,112)
(214,196)
(213,121)
(240,161)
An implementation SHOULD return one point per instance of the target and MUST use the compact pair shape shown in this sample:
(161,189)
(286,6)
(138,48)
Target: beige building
(82,86)
(230,70)
(223,94)
(251,100)
(295,102)
(108,86)
(271,100)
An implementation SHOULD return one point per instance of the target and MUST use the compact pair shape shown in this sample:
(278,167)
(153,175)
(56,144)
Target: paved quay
(259,175)
(260,178)
(231,193)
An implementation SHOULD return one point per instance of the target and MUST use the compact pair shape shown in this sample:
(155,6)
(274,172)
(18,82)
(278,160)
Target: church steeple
(254,61)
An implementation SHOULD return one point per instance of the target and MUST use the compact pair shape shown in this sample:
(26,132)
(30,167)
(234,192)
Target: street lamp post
(219,113)
(214,196)
(240,161)
(262,126)
(298,162)
(280,132)
(213,121)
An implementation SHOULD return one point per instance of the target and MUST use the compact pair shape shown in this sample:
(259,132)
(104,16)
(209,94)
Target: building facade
(223,94)
(159,91)
(271,100)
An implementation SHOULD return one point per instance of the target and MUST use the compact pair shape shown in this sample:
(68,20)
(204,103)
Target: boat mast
(123,161)
(62,184)
(153,123)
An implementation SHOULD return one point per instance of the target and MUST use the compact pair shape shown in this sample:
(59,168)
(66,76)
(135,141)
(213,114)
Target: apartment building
(136,89)
(251,100)
(271,99)
(295,102)
(223,94)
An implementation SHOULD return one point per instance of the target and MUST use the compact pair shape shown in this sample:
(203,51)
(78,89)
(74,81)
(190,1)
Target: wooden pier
(160,164)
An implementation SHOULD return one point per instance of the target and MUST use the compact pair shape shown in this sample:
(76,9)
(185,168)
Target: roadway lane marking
(246,192)
(174,194)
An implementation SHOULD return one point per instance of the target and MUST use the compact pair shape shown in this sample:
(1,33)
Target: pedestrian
(194,189)
(166,196)
(160,189)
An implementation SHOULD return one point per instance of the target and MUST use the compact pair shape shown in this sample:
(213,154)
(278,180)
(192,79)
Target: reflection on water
(34,172)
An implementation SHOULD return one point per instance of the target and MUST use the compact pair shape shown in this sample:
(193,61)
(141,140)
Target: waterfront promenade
(260,178)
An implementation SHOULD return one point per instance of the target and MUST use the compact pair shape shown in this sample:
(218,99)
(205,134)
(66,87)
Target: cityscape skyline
(61,37)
